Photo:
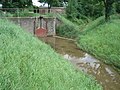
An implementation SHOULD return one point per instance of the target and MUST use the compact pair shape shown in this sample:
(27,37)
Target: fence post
(41,22)
(54,22)
(34,26)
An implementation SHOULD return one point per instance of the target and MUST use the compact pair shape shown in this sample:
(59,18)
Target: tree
(16,3)
(117,3)
(91,8)
(84,8)
(108,8)
(71,9)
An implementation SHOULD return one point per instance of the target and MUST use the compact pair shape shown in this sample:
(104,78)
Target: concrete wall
(49,24)
(26,23)
(43,10)
(30,24)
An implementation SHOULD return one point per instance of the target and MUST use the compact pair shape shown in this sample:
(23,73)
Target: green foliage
(26,63)
(80,8)
(108,8)
(67,28)
(91,8)
(25,13)
(53,3)
(102,40)
(117,4)
(92,25)
(16,3)
(19,13)
(99,21)
(71,9)
(5,14)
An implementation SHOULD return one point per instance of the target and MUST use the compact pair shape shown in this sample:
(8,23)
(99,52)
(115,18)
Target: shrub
(67,28)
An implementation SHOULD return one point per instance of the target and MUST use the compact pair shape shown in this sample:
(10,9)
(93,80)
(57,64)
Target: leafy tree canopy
(16,3)
(52,3)
(91,8)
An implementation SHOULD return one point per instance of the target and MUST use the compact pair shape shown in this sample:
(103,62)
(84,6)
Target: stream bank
(104,74)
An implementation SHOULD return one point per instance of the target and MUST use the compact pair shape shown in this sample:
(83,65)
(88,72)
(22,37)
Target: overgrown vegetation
(92,8)
(102,40)
(69,29)
(5,14)
(25,13)
(16,3)
(18,13)
(27,64)
(99,21)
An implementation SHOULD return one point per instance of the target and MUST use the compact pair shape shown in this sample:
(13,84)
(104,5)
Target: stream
(104,74)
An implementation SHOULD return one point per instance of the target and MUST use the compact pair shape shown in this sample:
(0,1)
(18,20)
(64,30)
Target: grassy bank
(29,64)
(67,28)
(102,40)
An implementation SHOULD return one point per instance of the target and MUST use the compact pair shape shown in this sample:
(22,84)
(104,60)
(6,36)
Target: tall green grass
(102,40)
(99,21)
(67,28)
(29,64)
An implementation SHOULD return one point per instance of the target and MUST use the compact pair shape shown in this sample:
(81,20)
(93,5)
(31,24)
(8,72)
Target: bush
(67,28)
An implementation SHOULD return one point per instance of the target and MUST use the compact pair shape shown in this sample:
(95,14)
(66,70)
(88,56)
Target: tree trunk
(49,7)
(107,17)
(108,8)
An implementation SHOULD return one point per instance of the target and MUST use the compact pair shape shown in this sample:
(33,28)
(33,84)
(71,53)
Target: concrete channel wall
(49,24)
(26,23)
(30,24)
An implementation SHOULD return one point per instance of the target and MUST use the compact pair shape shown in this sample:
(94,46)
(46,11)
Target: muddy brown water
(104,74)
